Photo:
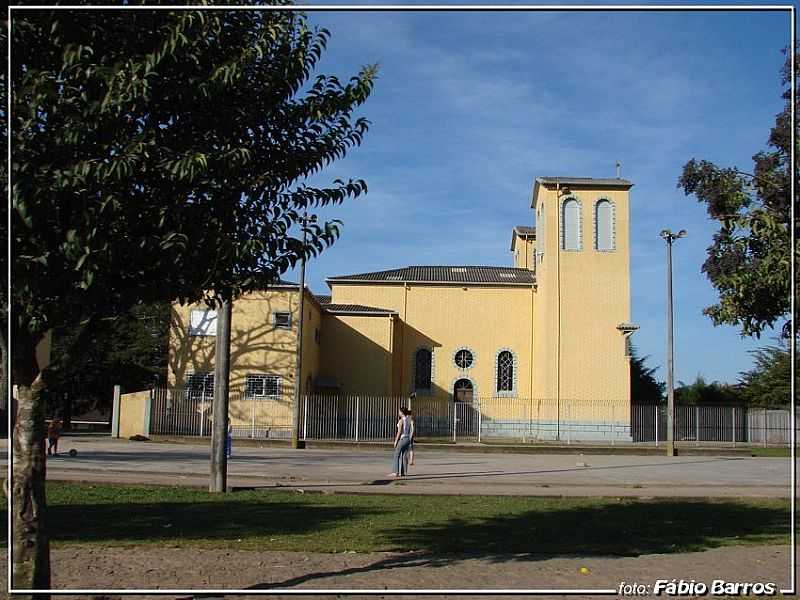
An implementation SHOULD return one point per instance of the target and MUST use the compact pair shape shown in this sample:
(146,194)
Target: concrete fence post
(696,425)
(358,406)
(658,416)
(479,420)
(115,412)
(148,411)
(455,419)
(305,416)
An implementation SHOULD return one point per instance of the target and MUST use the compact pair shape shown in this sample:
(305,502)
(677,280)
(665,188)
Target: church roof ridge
(601,181)
(475,274)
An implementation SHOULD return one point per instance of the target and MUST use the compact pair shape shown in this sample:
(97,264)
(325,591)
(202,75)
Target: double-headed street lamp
(670,237)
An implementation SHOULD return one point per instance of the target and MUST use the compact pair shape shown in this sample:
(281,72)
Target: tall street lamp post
(670,237)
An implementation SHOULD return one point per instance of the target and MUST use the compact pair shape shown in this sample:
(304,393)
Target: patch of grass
(271,520)
(770,452)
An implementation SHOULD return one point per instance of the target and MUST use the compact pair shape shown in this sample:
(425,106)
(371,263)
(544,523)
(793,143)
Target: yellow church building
(545,339)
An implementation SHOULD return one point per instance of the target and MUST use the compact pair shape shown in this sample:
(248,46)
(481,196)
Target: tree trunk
(4,377)
(29,543)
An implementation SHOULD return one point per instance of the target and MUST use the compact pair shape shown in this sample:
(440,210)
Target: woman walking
(402,440)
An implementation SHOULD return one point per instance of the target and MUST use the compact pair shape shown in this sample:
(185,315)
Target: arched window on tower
(422,369)
(540,231)
(604,225)
(571,224)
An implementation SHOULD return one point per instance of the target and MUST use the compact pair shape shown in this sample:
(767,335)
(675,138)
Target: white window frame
(277,325)
(203,322)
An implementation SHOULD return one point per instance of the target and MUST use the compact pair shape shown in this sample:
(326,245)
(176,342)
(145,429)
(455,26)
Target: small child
(53,431)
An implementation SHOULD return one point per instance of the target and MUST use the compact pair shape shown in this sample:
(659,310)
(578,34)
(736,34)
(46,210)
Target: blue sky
(470,107)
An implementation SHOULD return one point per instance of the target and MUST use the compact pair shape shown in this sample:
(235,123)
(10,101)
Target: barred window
(200,385)
(422,369)
(464,359)
(505,371)
(262,386)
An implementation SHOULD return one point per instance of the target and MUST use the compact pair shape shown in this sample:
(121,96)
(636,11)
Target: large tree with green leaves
(749,260)
(702,392)
(769,382)
(129,349)
(645,388)
(156,156)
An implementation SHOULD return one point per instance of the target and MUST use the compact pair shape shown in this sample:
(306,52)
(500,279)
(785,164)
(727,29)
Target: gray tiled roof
(445,274)
(585,181)
(323,299)
(525,230)
(342,309)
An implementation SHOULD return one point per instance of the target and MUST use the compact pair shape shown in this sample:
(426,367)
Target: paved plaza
(437,471)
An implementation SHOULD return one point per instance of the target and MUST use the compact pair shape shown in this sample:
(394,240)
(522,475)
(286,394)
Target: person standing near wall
(53,433)
(402,441)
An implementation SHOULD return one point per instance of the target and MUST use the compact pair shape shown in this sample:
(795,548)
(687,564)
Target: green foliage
(162,155)
(749,260)
(645,388)
(701,392)
(129,350)
(768,383)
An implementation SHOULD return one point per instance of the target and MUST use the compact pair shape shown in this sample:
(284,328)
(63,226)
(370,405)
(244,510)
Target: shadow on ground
(181,521)
(628,529)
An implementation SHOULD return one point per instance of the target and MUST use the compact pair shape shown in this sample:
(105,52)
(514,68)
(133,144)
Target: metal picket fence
(188,412)
(730,424)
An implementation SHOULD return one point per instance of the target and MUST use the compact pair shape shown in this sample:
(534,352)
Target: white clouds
(470,107)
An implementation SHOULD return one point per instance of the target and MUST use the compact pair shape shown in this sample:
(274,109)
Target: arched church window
(540,231)
(571,224)
(505,371)
(604,225)
(422,369)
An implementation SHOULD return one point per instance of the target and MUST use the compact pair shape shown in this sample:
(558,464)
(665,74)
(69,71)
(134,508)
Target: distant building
(554,326)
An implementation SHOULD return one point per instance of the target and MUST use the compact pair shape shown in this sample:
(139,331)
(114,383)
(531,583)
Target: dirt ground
(117,567)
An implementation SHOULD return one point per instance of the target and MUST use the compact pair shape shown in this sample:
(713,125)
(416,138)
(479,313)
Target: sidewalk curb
(473,447)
